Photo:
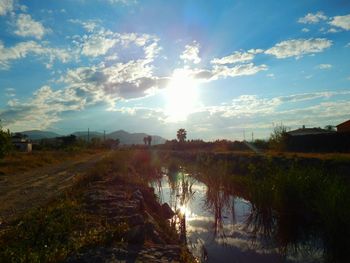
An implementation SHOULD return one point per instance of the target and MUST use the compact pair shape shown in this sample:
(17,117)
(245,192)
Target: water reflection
(219,226)
(211,221)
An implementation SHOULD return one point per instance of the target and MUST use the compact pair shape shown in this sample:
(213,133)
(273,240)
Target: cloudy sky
(218,68)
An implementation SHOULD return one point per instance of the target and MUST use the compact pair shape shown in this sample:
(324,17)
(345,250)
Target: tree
(181,135)
(278,137)
(329,127)
(5,142)
(149,140)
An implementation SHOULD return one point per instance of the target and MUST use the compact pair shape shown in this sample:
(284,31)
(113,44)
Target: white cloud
(258,113)
(246,105)
(299,47)
(237,70)
(23,49)
(305,30)
(10,92)
(88,25)
(308,76)
(125,2)
(98,44)
(333,30)
(42,110)
(224,71)
(311,18)
(119,81)
(342,22)
(237,57)
(115,80)
(27,27)
(324,66)
(191,53)
(6,6)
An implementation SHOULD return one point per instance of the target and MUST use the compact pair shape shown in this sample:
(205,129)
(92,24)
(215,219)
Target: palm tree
(181,135)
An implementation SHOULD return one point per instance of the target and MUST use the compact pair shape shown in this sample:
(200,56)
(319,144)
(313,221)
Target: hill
(133,138)
(84,134)
(123,136)
(37,134)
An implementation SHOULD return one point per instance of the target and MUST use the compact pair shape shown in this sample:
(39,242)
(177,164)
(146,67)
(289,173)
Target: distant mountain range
(123,136)
(37,135)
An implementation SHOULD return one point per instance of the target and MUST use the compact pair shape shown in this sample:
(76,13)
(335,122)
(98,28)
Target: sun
(181,96)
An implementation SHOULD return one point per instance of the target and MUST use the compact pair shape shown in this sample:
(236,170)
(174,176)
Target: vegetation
(277,139)
(147,140)
(63,227)
(181,135)
(16,162)
(5,142)
(298,205)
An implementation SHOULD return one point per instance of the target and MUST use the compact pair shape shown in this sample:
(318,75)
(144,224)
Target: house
(344,126)
(21,142)
(308,131)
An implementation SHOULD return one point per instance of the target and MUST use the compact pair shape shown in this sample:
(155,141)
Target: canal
(219,226)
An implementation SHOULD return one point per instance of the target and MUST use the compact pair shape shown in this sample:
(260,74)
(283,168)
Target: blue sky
(219,69)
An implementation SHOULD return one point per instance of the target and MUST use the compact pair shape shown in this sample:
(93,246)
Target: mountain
(133,138)
(123,136)
(37,135)
(84,134)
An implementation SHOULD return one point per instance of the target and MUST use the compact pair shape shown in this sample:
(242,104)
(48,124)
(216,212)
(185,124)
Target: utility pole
(252,136)
(88,138)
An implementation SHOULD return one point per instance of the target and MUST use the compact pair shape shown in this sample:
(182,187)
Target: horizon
(219,70)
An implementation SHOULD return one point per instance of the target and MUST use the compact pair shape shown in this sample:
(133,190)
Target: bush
(5,143)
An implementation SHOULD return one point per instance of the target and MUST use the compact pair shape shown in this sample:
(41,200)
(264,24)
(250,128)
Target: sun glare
(181,96)
(184,210)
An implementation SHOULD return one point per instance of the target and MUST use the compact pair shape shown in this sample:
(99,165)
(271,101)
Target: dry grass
(19,162)
(321,156)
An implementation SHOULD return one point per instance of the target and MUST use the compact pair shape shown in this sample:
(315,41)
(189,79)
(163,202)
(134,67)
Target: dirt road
(19,192)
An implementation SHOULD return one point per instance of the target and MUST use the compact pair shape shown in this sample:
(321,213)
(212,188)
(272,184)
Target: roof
(308,131)
(343,123)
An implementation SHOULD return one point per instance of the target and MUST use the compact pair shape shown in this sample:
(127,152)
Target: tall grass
(301,207)
(298,207)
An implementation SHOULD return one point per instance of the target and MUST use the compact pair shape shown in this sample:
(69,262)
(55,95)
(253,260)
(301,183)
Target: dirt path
(22,191)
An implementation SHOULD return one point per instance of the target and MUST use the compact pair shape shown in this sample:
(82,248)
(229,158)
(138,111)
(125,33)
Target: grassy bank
(64,227)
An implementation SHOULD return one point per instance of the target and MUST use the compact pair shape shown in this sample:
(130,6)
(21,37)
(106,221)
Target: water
(215,228)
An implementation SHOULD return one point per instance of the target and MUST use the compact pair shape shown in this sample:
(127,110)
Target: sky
(220,69)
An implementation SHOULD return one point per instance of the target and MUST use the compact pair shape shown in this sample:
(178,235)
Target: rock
(167,212)
(136,235)
(136,219)
(155,237)
(137,195)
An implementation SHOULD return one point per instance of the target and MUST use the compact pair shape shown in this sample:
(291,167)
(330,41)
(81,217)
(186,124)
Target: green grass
(307,204)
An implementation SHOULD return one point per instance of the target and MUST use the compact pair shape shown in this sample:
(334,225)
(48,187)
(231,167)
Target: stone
(167,212)
(136,219)
(137,195)
(136,235)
